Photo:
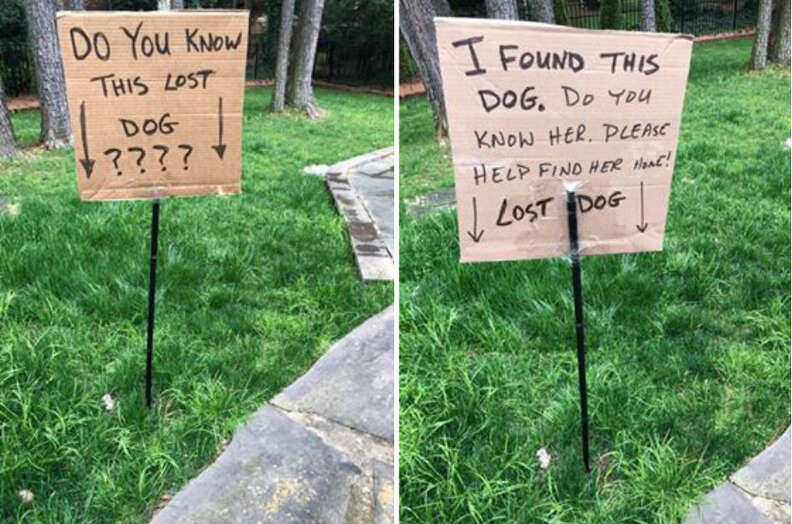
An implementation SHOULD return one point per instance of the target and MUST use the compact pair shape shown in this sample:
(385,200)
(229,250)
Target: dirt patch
(329,85)
(22,103)
(728,35)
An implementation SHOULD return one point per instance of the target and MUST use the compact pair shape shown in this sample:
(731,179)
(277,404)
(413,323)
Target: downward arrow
(220,147)
(643,225)
(87,162)
(476,236)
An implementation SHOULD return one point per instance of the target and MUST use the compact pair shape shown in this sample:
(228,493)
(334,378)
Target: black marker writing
(477,69)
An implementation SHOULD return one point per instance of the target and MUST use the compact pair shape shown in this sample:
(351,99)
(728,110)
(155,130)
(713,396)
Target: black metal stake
(581,345)
(151,296)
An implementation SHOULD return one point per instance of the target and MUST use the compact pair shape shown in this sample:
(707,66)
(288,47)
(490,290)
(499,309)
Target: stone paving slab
(352,383)
(725,505)
(274,470)
(757,493)
(373,182)
(321,452)
(768,474)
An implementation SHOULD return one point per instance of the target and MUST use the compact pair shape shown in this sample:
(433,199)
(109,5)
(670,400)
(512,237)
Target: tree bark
(416,23)
(282,61)
(542,11)
(177,4)
(163,5)
(779,46)
(648,16)
(759,51)
(300,89)
(55,126)
(7,140)
(502,9)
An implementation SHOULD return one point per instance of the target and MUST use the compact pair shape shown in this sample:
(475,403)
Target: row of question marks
(115,155)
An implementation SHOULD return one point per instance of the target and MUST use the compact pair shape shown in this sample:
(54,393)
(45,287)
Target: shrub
(611,15)
(663,16)
(560,12)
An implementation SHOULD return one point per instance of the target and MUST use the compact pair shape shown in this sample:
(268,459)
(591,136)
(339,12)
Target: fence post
(734,15)
(255,62)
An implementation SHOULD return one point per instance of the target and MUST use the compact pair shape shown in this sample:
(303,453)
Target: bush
(408,70)
(611,15)
(560,12)
(663,16)
(16,66)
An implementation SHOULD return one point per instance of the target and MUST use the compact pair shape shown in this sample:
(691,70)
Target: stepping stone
(437,200)
(352,384)
(725,505)
(768,474)
(274,471)
(317,169)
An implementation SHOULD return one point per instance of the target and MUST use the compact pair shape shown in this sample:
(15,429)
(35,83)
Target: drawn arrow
(474,235)
(87,162)
(220,147)
(643,225)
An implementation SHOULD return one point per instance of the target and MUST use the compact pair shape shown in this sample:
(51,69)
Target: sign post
(563,143)
(577,292)
(157,100)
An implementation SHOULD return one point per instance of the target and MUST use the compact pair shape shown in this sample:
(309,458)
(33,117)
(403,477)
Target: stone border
(371,254)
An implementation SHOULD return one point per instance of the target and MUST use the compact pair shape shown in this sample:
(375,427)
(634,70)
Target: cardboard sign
(535,109)
(155,100)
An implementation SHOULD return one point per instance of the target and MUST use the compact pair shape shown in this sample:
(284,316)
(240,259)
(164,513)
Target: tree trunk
(55,126)
(502,9)
(282,62)
(177,4)
(759,51)
(648,16)
(416,23)
(300,90)
(7,141)
(163,5)
(76,5)
(542,11)
(779,47)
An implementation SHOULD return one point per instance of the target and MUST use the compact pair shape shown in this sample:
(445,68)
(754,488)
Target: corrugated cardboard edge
(519,24)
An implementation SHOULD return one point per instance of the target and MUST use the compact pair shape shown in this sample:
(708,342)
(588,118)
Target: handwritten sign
(536,109)
(155,101)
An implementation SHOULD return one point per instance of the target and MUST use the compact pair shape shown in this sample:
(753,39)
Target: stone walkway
(320,452)
(363,189)
(756,494)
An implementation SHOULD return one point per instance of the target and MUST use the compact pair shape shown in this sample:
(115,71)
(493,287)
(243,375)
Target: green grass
(252,289)
(688,348)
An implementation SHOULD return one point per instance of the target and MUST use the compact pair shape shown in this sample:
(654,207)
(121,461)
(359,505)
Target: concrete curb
(372,256)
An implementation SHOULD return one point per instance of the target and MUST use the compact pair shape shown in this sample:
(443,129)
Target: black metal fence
(334,62)
(698,17)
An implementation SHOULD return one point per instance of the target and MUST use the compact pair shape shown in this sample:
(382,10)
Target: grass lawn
(252,289)
(688,348)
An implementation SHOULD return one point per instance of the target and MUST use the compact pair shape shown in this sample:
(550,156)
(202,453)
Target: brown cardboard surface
(169,120)
(519,211)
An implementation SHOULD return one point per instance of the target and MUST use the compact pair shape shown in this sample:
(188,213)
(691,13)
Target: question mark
(140,158)
(189,150)
(116,156)
(164,150)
